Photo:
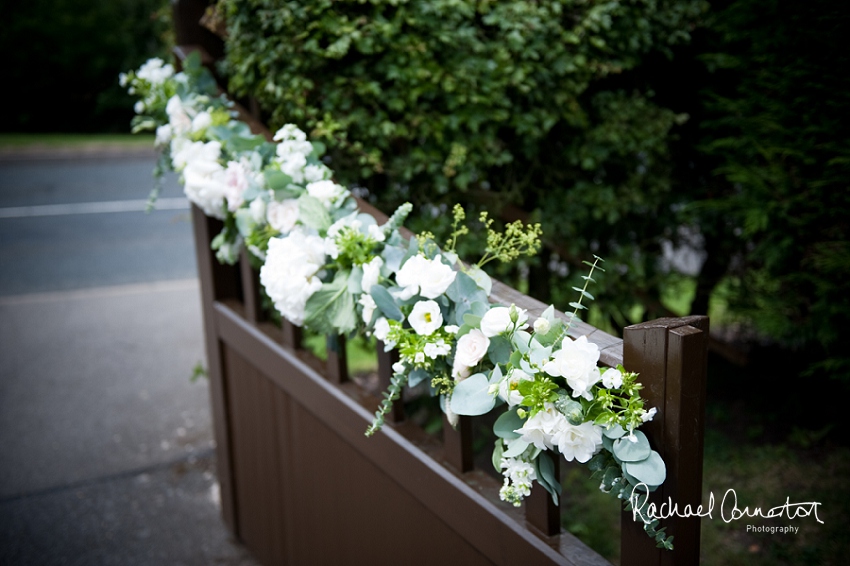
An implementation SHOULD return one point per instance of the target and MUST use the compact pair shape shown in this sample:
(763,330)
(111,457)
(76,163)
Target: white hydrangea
(290,273)
(427,277)
(155,71)
(282,216)
(425,318)
(498,321)
(203,176)
(293,142)
(576,362)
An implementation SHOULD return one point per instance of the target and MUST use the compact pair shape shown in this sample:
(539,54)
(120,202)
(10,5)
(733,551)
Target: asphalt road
(75,224)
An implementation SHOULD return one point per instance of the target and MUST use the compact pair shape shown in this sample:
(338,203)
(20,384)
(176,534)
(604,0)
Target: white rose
(498,321)
(471,349)
(425,318)
(371,273)
(282,216)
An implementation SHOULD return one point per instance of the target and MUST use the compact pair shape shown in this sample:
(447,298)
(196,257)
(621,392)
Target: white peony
(498,321)
(579,442)
(425,318)
(371,273)
(471,349)
(576,362)
(427,277)
(282,216)
(328,192)
(290,273)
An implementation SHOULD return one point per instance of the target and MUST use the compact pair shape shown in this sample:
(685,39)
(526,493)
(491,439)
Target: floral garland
(333,269)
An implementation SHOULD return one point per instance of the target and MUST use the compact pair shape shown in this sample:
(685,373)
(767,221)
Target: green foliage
(66,56)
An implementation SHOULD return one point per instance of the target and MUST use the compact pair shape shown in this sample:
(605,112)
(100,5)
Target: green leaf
(500,350)
(515,448)
(614,432)
(313,213)
(546,476)
(578,306)
(318,149)
(507,423)
(498,450)
(385,302)
(472,396)
(629,451)
(276,180)
(330,310)
(472,320)
(417,376)
(650,471)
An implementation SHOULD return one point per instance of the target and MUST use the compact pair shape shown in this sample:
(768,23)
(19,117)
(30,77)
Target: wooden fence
(301,484)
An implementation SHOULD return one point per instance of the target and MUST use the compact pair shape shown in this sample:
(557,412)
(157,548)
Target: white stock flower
(425,318)
(155,71)
(317,172)
(282,216)
(371,273)
(438,348)
(369,307)
(612,378)
(289,274)
(648,415)
(376,233)
(508,387)
(471,349)
(328,192)
(429,278)
(292,141)
(579,442)
(576,362)
(498,321)
(293,165)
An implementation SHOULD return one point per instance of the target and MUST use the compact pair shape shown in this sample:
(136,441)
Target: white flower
(376,233)
(498,321)
(139,107)
(163,135)
(537,430)
(236,182)
(576,362)
(328,192)
(419,358)
(203,175)
(289,132)
(398,367)
(292,141)
(612,378)
(541,325)
(123,79)
(451,328)
(579,442)
(471,348)
(518,471)
(154,71)
(438,348)
(648,415)
(290,273)
(317,172)
(382,328)
(369,307)
(293,165)
(201,121)
(177,116)
(371,273)
(429,278)
(425,318)
(508,387)
(258,210)
(282,216)
(185,152)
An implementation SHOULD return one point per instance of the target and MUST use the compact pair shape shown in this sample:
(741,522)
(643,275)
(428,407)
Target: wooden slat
(250,289)
(457,443)
(540,510)
(337,365)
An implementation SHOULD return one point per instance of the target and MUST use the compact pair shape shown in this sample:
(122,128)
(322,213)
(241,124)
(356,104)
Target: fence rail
(301,484)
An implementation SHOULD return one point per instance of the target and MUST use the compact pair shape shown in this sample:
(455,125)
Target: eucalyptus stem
(393,393)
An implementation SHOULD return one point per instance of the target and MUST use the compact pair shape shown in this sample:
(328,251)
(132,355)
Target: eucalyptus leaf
(385,302)
(472,396)
(392,258)
(521,340)
(355,279)
(650,471)
(481,278)
(507,423)
(276,179)
(312,213)
(515,448)
(499,350)
(629,451)
(498,450)
(614,432)
(417,376)
(546,476)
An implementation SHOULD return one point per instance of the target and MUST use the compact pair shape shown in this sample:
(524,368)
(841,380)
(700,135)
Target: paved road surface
(106,451)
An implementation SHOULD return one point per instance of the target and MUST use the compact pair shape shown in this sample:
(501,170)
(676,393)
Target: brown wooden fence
(301,484)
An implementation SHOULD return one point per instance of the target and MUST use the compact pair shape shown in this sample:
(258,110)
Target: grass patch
(360,351)
(25,141)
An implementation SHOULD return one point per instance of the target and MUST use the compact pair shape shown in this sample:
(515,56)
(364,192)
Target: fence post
(670,355)
(218,282)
